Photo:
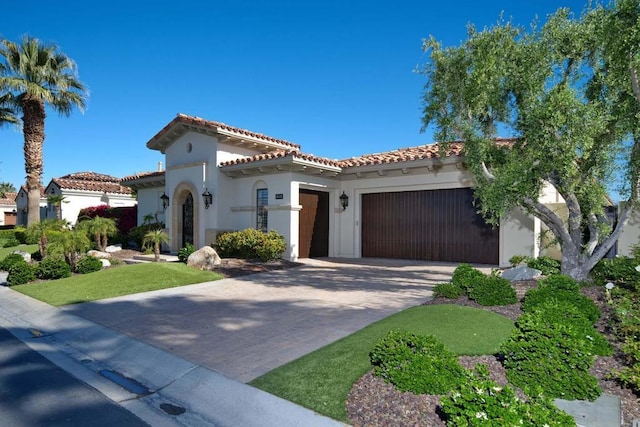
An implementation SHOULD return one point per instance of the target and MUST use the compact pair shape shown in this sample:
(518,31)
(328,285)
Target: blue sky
(337,77)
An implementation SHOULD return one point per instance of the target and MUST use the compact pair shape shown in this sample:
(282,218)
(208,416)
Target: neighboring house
(78,190)
(411,203)
(22,205)
(8,209)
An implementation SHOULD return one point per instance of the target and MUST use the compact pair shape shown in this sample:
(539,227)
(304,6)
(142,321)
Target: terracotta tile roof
(91,181)
(431,151)
(198,121)
(9,199)
(143,175)
(280,154)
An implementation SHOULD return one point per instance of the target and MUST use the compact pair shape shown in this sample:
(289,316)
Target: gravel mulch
(372,402)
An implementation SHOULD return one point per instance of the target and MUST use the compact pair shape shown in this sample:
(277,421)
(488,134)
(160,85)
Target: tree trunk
(570,264)
(33,130)
(156,251)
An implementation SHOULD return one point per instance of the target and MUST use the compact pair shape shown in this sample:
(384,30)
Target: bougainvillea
(126,217)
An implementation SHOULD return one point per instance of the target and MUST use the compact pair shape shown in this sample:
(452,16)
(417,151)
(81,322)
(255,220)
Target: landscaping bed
(373,402)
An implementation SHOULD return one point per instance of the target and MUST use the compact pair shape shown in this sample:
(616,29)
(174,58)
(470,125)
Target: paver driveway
(246,326)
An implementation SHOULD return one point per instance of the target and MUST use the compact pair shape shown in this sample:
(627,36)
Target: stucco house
(79,190)
(8,209)
(410,203)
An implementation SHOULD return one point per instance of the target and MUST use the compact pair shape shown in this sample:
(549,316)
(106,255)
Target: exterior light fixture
(207,198)
(165,201)
(344,200)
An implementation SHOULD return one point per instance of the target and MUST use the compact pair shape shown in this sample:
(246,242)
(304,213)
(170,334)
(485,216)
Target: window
(262,198)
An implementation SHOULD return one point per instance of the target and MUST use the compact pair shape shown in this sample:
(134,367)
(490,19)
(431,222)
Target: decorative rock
(3,277)
(113,248)
(521,273)
(99,254)
(205,258)
(105,263)
(25,255)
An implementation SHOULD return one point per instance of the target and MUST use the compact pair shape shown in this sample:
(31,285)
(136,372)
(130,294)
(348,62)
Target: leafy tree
(35,75)
(57,200)
(40,232)
(568,93)
(69,244)
(156,238)
(100,228)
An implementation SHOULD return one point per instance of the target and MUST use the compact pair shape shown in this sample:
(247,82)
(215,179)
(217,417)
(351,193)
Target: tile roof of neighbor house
(214,126)
(8,199)
(91,181)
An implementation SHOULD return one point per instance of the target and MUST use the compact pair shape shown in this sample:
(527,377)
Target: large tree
(35,76)
(568,94)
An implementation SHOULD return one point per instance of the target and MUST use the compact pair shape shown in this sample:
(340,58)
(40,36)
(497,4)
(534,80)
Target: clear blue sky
(336,77)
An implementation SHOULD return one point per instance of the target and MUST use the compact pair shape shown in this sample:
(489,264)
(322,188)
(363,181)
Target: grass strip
(321,380)
(113,282)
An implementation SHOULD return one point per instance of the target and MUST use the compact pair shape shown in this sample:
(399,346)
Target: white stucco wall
(630,236)
(149,203)
(75,201)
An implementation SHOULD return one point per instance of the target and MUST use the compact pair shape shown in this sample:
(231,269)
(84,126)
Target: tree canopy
(567,93)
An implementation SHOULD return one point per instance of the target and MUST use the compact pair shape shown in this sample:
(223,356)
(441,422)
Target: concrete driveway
(246,326)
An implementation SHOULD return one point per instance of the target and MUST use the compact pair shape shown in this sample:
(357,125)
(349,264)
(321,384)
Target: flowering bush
(481,402)
(126,216)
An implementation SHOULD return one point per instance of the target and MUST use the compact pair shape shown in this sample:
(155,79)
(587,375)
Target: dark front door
(313,235)
(187,221)
(436,225)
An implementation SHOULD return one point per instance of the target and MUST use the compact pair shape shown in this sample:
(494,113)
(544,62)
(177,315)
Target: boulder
(521,272)
(205,258)
(3,277)
(105,263)
(98,254)
(113,248)
(25,255)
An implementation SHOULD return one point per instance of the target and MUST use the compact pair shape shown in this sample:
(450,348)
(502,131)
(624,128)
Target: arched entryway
(184,217)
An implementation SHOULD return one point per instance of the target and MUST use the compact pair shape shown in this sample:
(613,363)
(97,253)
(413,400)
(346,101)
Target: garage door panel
(436,225)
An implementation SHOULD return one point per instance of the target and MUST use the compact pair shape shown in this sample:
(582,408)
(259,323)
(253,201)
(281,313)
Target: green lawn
(322,379)
(113,282)
(27,248)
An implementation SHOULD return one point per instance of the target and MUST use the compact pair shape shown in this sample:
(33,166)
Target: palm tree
(56,200)
(40,232)
(7,114)
(156,237)
(69,244)
(6,187)
(37,75)
(100,228)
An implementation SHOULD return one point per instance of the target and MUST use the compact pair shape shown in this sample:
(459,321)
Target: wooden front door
(313,230)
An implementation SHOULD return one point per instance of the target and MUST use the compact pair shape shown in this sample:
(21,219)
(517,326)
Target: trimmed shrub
(447,290)
(21,273)
(544,357)
(619,270)
(479,401)
(416,363)
(52,268)
(10,260)
(465,276)
(8,234)
(88,264)
(560,281)
(250,244)
(544,293)
(11,243)
(184,252)
(545,264)
(493,290)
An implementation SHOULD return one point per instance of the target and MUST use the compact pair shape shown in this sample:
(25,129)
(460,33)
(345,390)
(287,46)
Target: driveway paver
(246,326)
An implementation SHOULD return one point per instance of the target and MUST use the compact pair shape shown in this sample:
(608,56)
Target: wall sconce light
(344,200)
(207,198)
(165,201)
(25,210)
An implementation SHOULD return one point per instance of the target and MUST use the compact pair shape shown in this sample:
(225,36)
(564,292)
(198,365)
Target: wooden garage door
(437,225)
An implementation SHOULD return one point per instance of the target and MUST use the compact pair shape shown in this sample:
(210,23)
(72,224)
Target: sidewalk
(160,388)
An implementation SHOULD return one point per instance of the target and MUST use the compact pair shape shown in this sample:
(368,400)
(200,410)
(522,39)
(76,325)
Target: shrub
(619,270)
(10,260)
(52,268)
(545,264)
(447,290)
(416,363)
(183,253)
(478,401)
(88,264)
(465,276)
(20,234)
(11,243)
(517,260)
(560,281)
(136,234)
(629,376)
(557,311)
(250,244)
(493,290)
(538,350)
(538,296)
(21,273)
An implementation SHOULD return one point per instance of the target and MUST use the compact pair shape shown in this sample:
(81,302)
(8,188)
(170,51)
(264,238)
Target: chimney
(159,166)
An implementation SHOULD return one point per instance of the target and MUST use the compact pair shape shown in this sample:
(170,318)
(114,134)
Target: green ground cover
(6,251)
(322,379)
